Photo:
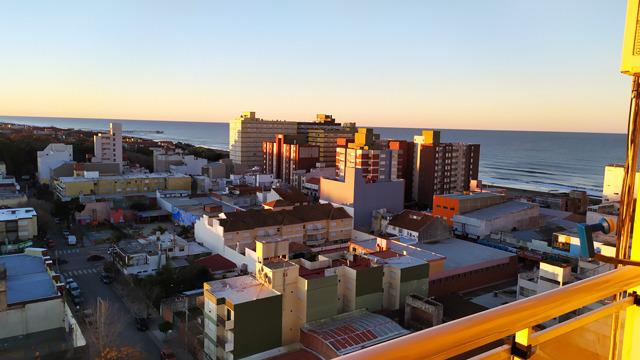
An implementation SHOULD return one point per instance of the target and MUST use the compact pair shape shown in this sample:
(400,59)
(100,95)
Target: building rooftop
(460,253)
(499,210)
(154,175)
(18,213)
(27,279)
(346,333)
(411,220)
(400,248)
(474,195)
(292,195)
(134,247)
(240,289)
(216,262)
(252,219)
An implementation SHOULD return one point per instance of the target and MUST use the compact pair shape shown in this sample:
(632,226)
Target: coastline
(160,135)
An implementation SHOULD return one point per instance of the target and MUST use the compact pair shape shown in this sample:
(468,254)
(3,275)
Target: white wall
(50,158)
(33,317)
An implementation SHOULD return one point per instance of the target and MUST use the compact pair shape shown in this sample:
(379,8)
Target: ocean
(545,161)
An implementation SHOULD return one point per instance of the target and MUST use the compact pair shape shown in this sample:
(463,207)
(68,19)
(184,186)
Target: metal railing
(517,318)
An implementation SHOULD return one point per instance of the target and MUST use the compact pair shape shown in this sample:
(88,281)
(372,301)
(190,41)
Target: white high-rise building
(108,147)
(50,158)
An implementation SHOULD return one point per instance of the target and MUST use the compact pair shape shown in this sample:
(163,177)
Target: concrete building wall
(50,158)
(119,185)
(32,317)
(246,135)
(363,197)
(612,183)
(479,228)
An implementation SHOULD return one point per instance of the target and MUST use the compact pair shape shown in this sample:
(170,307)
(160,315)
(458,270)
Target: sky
(491,64)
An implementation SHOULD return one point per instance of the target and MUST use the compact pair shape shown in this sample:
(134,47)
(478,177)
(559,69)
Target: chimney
(3,288)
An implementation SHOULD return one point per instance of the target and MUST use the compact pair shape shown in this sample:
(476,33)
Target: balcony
(586,336)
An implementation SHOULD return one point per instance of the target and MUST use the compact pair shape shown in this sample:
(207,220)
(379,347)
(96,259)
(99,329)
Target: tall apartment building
(287,154)
(247,133)
(367,152)
(324,133)
(405,163)
(50,158)
(108,147)
(441,168)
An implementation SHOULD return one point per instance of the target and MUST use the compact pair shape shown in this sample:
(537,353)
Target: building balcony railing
(581,337)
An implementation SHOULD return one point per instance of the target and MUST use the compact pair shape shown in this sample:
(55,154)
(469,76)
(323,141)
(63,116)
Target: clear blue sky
(492,64)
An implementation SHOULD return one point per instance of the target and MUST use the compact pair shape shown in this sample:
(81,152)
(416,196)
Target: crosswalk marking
(80,272)
(67,251)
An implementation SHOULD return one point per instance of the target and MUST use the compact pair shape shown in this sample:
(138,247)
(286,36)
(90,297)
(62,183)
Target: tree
(67,209)
(165,327)
(123,353)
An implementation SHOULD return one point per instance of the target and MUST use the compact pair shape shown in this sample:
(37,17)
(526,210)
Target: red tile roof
(216,263)
(252,219)
(411,220)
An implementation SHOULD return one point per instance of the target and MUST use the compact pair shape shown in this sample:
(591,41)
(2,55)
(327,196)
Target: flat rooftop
(461,253)
(154,175)
(240,289)
(475,195)
(18,213)
(27,279)
(397,246)
(499,210)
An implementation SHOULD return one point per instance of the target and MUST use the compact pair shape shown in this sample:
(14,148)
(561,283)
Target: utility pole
(186,323)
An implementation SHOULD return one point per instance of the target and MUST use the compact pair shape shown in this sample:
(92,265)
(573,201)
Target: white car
(71,240)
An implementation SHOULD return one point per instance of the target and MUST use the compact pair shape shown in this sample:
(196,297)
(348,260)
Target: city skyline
(381,64)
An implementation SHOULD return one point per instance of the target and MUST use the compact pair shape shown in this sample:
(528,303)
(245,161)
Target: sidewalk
(137,308)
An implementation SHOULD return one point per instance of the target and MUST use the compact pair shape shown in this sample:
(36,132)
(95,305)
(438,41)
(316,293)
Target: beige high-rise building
(247,133)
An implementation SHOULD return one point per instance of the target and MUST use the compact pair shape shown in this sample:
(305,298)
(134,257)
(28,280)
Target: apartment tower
(108,147)
(441,168)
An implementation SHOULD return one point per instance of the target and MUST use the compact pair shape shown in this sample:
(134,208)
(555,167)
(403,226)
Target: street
(86,274)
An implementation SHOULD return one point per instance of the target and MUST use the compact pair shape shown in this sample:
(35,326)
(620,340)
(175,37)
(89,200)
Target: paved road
(86,274)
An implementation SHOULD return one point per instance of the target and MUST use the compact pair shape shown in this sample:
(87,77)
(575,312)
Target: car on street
(77,300)
(71,240)
(106,278)
(51,244)
(95,257)
(167,354)
(142,324)
(73,287)
(66,233)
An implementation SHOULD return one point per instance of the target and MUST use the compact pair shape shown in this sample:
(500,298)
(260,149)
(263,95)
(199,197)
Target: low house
(418,226)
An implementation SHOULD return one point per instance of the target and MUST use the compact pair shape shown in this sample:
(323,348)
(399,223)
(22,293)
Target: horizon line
(357,126)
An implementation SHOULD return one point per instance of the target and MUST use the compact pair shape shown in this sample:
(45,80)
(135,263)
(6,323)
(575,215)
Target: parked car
(71,240)
(66,233)
(106,278)
(73,288)
(142,324)
(167,354)
(77,300)
(51,244)
(95,257)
